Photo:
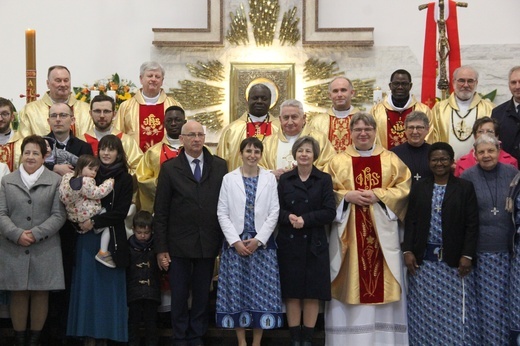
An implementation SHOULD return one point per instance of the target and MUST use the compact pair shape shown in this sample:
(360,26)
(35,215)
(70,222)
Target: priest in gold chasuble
(453,118)
(33,117)
(391,113)
(257,122)
(142,116)
(368,298)
(336,122)
(148,169)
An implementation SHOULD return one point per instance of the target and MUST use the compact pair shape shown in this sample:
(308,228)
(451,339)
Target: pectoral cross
(417,176)
(495,211)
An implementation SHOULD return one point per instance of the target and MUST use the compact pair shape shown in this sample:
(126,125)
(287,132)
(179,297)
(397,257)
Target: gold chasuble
(33,117)
(234,133)
(144,122)
(11,151)
(366,268)
(390,121)
(336,129)
(148,170)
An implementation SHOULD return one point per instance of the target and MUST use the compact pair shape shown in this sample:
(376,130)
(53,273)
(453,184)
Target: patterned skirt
(492,299)
(514,297)
(249,294)
(440,305)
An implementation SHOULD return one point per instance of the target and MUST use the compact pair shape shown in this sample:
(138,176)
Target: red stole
(151,127)
(7,155)
(395,127)
(93,142)
(339,133)
(367,176)
(167,153)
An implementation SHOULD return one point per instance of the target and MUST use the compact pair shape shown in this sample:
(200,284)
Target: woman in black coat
(307,205)
(440,239)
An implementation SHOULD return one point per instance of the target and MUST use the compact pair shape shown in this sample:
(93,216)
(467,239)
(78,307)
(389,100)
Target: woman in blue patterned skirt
(495,241)
(248,294)
(440,239)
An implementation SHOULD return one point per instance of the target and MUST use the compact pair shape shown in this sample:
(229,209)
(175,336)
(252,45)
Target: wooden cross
(443,46)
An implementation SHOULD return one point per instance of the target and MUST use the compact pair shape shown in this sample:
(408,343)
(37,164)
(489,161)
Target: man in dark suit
(508,116)
(187,232)
(61,118)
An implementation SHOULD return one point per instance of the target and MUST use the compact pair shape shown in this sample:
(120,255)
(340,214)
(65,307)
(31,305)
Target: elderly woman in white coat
(31,215)
(249,294)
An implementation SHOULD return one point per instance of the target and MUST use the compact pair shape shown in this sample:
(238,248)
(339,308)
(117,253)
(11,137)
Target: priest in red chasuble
(391,113)
(257,122)
(336,122)
(149,167)
(371,186)
(142,116)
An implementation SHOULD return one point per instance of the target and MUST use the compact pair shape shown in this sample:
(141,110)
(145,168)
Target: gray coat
(38,266)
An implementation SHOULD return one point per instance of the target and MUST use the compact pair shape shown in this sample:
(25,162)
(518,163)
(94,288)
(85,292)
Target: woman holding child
(98,305)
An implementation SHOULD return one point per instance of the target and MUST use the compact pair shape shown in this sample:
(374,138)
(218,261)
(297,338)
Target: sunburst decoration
(237,33)
(195,95)
(209,70)
(212,120)
(289,31)
(315,69)
(263,15)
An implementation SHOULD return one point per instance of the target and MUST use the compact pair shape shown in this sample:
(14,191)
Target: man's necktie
(197,173)
(518,109)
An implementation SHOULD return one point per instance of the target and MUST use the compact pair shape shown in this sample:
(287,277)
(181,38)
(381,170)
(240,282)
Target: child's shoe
(105,258)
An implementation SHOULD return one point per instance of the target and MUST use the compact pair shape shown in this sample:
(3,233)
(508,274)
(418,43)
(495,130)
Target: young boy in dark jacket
(142,281)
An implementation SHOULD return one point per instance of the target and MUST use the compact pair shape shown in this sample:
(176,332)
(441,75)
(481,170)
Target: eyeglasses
(193,135)
(59,115)
(418,128)
(400,84)
(480,132)
(102,111)
(463,81)
(361,129)
(443,160)
(5,114)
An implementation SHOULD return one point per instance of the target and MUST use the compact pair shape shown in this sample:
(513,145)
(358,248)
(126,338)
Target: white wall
(97,38)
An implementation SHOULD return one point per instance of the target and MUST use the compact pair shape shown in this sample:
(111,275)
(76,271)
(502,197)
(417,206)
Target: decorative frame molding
(280,78)
(314,35)
(211,36)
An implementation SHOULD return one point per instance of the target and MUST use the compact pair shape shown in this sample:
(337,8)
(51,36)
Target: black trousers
(190,325)
(143,313)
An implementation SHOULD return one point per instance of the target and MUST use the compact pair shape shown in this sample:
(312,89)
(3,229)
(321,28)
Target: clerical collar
(151,100)
(291,139)
(5,137)
(256,119)
(101,134)
(399,109)
(342,114)
(463,104)
(54,101)
(174,143)
(365,153)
